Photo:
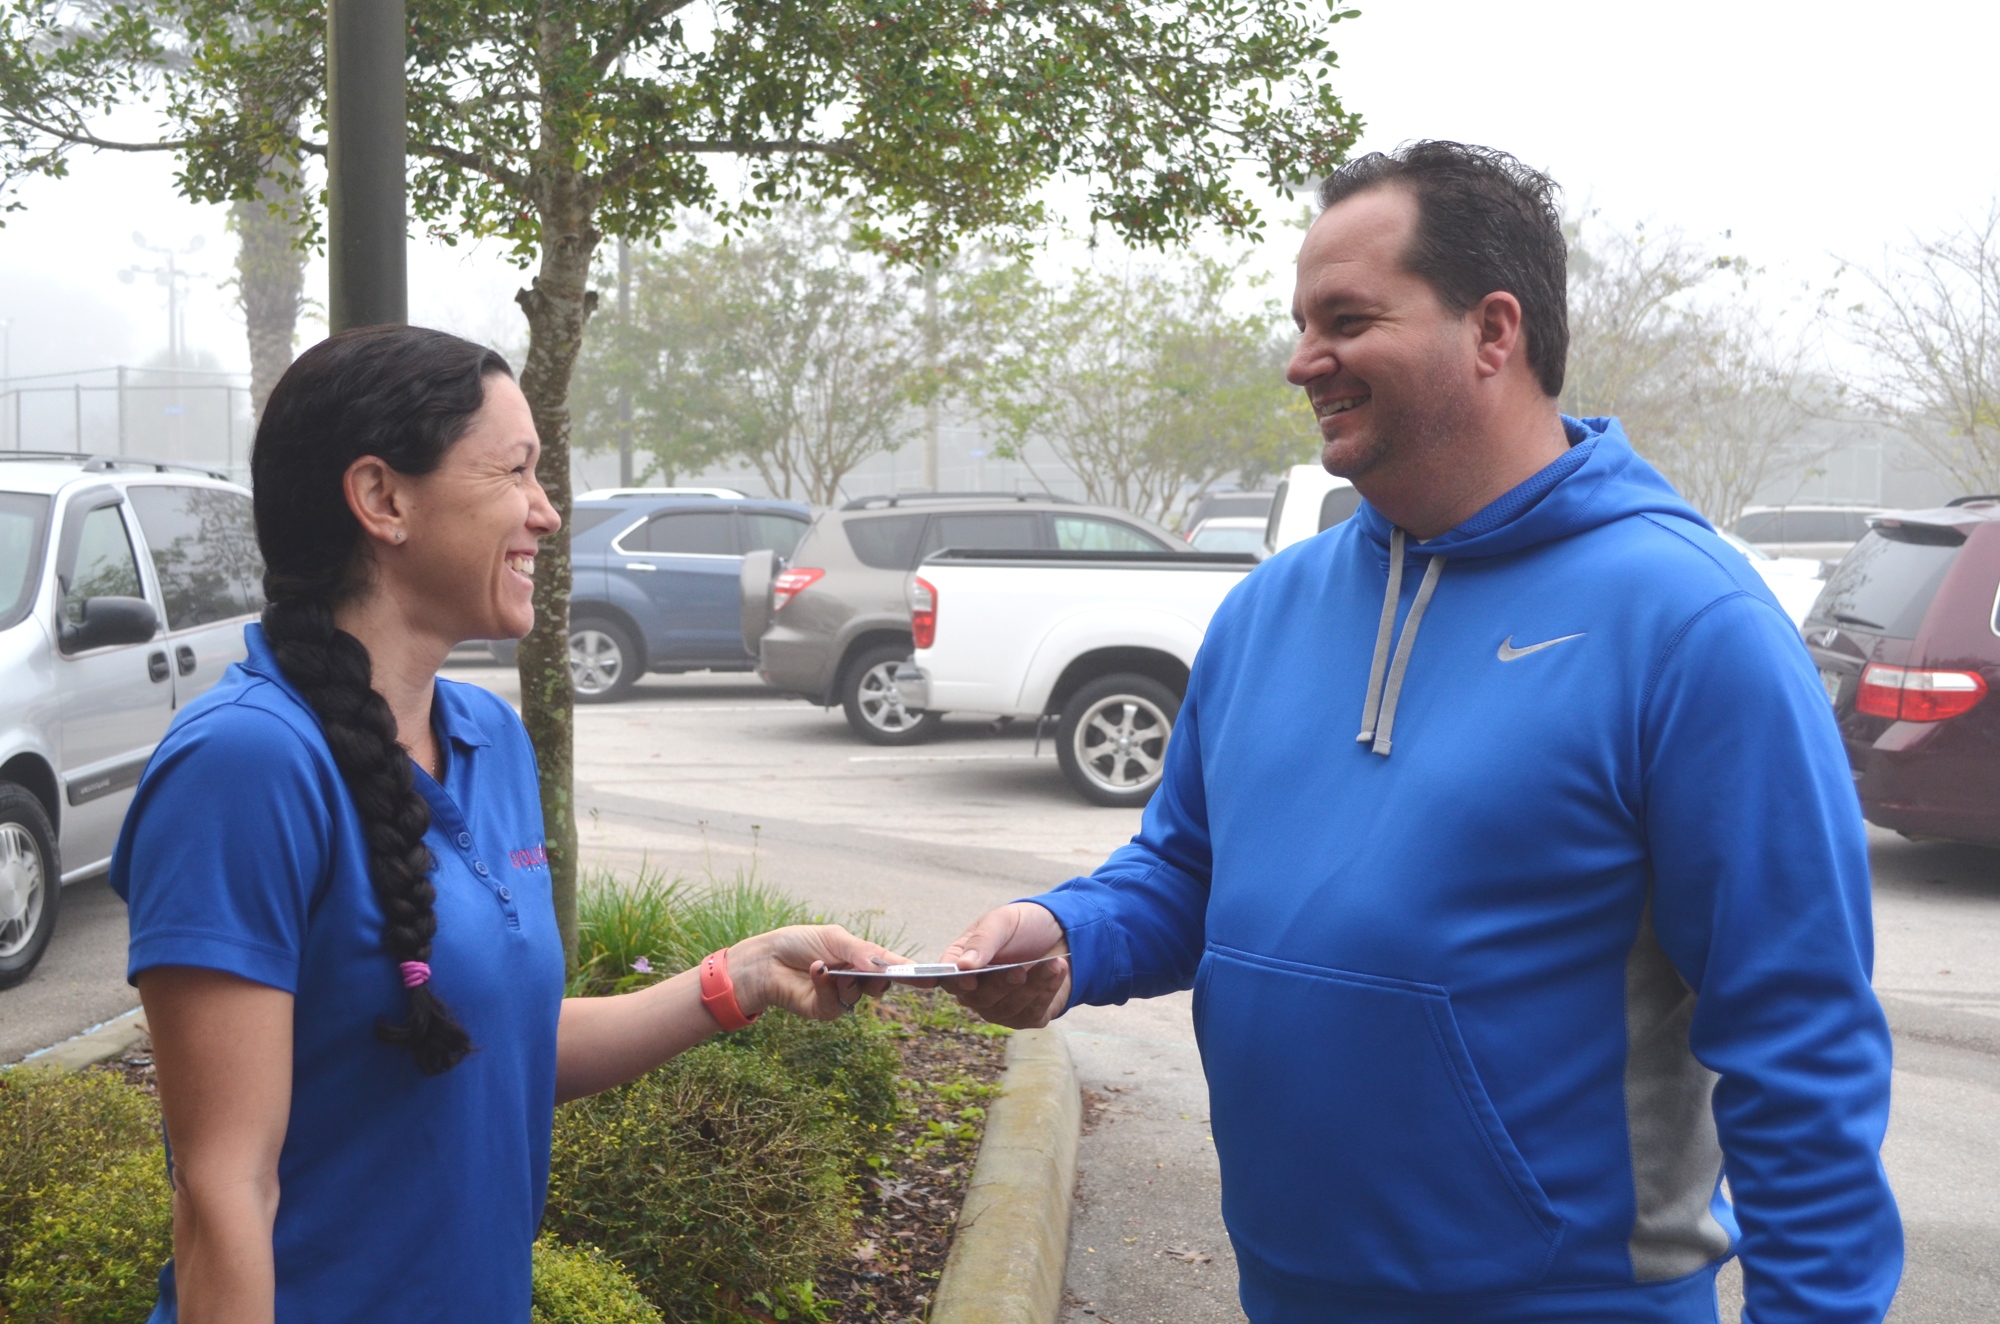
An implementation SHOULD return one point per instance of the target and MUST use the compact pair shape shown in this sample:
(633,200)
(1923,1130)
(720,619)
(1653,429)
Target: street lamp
(367,228)
(170,275)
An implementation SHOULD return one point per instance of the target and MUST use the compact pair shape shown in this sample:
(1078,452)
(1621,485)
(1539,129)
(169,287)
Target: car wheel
(874,704)
(30,883)
(605,661)
(1112,740)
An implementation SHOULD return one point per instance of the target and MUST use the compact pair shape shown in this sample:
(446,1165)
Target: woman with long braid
(341,919)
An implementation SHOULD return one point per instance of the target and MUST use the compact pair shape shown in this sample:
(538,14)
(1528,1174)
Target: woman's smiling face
(473,525)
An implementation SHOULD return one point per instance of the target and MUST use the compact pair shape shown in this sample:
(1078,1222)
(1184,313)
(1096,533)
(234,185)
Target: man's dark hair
(1485,222)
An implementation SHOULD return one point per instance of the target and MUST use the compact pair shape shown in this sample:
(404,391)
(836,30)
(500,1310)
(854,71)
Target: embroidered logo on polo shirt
(534,857)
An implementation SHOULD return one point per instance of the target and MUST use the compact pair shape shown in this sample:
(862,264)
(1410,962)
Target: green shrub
(854,1057)
(61,1127)
(720,1176)
(581,1285)
(93,1249)
(664,926)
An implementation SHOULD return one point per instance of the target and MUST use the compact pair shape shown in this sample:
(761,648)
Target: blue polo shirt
(402,1196)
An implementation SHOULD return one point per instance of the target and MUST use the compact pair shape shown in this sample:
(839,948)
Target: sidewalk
(1147,1244)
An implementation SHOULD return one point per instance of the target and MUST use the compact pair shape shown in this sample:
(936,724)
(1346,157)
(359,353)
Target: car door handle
(640,565)
(184,659)
(157,668)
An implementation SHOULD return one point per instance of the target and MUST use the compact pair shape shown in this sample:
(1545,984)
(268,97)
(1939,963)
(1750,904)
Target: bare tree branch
(1932,334)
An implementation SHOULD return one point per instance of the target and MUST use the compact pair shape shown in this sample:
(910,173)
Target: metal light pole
(624,392)
(367,194)
(171,275)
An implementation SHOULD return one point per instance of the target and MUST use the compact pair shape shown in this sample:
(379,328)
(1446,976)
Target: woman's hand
(788,968)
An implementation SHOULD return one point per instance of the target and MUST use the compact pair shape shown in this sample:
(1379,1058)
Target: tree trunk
(270,275)
(557,304)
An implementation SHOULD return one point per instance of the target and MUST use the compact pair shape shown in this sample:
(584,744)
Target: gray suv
(831,624)
(124,588)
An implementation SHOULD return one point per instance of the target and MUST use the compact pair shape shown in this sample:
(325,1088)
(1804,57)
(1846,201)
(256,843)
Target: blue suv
(655,585)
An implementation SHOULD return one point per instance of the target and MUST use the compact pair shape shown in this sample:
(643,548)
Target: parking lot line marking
(930,758)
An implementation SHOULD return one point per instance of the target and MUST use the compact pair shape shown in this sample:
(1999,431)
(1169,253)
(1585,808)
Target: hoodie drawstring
(1378,708)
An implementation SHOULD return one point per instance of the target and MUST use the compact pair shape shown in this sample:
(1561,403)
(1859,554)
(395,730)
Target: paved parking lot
(709,774)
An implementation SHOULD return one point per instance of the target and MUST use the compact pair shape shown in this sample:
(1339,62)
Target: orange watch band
(718,992)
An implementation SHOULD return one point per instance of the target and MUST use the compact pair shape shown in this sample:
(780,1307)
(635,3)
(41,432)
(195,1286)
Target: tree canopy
(549,124)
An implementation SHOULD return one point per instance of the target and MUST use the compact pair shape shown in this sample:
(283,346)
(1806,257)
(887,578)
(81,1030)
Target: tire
(605,661)
(874,708)
(1137,710)
(30,883)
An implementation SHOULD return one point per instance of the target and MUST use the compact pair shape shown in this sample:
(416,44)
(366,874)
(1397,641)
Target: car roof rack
(112,463)
(1978,500)
(910,498)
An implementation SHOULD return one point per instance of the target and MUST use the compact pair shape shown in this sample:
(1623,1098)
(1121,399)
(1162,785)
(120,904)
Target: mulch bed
(910,1194)
(135,1064)
(910,1202)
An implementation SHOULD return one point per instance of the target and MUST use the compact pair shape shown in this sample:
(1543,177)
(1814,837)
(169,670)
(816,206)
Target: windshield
(22,518)
(1229,540)
(1886,584)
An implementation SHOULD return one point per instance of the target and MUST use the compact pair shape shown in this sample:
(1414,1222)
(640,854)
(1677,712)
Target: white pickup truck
(1100,641)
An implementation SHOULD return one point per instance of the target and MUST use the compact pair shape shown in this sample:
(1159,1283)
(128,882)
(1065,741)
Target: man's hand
(1023,999)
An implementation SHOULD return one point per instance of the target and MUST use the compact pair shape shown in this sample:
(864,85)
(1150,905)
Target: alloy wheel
(1121,743)
(23,888)
(596,661)
(881,700)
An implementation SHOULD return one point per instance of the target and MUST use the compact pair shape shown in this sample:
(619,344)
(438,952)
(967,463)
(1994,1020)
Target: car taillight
(923,611)
(1912,695)
(790,583)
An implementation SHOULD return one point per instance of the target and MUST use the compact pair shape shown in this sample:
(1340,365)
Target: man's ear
(375,495)
(1497,321)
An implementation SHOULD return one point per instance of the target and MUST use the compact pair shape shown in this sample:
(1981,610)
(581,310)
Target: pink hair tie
(415,973)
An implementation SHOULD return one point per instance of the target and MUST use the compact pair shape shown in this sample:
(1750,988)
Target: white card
(935,970)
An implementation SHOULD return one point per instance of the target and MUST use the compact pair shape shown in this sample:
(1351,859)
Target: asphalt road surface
(707,775)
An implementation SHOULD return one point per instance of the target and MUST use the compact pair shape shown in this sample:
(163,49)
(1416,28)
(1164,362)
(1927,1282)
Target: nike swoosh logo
(1508,652)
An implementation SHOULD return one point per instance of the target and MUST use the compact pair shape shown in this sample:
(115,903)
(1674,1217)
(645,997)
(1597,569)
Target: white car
(1794,580)
(1310,501)
(1100,641)
(1821,533)
(1230,533)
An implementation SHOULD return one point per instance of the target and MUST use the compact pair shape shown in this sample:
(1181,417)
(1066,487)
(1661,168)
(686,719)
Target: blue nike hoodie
(1494,998)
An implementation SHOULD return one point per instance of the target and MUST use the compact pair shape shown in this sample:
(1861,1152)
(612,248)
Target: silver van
(124,589)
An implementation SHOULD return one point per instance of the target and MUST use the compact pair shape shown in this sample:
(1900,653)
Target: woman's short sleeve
(226,841)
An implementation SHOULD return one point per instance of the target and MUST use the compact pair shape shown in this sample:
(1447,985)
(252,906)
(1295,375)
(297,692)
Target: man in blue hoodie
(1496,994)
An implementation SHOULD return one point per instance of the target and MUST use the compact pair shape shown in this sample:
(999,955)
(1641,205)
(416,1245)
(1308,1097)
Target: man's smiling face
(1388,368)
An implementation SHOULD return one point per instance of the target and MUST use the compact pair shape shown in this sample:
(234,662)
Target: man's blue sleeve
(1761,900)
(1136,925)
(224,848)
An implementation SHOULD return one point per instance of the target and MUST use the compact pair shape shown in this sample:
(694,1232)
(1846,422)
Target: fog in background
(1793,136)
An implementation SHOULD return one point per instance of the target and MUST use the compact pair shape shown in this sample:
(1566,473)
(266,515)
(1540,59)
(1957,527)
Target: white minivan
(124,589)
(1310,500)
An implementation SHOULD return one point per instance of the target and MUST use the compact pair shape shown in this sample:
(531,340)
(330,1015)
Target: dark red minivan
(1907,638)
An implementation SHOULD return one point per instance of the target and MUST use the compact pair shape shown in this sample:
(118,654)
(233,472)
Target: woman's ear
(375,495)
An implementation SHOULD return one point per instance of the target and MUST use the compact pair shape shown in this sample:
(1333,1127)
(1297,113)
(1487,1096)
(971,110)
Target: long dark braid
(404,395)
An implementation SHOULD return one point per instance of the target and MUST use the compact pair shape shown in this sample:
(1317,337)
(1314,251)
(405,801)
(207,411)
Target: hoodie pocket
(1358,1146)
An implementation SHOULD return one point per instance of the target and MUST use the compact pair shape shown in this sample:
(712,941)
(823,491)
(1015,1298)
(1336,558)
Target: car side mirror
(105,622)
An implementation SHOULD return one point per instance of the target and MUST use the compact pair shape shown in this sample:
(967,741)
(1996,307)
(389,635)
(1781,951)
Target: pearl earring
(400,535)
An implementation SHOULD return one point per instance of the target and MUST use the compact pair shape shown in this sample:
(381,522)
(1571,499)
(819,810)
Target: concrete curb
(100,1043)
(1012,1245)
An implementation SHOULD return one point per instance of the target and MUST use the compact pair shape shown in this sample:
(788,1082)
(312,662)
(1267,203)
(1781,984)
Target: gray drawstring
(1378,707)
